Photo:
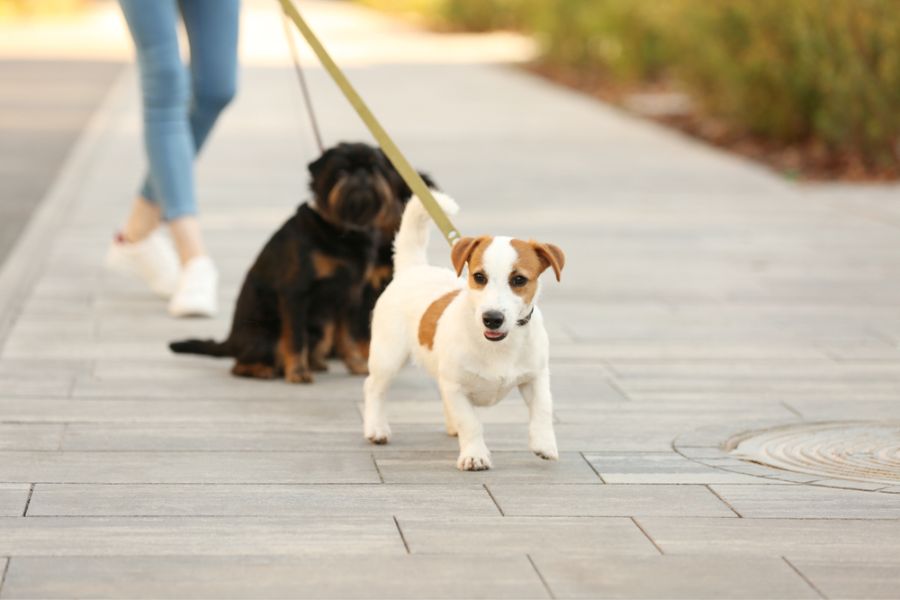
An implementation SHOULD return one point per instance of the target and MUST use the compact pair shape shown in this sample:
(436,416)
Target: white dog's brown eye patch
(528,265)
(428,324)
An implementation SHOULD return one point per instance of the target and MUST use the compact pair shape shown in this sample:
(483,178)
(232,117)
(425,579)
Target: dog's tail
(412,237)
(205,347)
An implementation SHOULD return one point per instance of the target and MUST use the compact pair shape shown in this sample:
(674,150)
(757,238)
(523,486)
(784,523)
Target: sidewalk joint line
(596,472)
(540,576)
(377,470)
(791,409)
(5,571)
(28,500)
(615,385)
(804,577)
(723,500)
(402,537)
(497,504)
(647,535)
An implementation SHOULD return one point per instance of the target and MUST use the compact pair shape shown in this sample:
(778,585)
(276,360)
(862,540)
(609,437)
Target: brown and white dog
(478,337)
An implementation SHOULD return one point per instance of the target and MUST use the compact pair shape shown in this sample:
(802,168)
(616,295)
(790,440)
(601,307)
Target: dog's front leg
(473,452)
(293,347)
(541,437)
(350,349)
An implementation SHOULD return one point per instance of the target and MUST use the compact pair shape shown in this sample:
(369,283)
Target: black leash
(301,78)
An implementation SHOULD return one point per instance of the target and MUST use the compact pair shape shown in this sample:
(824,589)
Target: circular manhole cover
(857,450)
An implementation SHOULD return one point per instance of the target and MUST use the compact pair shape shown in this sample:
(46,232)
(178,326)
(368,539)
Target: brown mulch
(805,161)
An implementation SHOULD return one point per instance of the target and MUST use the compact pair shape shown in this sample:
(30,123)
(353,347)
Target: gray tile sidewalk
(701,291)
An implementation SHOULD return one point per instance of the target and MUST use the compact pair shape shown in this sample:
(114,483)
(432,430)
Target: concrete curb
(25,261)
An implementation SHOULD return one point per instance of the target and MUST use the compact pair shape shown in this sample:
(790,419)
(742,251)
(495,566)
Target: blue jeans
(181,105)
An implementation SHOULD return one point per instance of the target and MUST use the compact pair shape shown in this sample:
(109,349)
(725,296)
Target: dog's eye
(518,281)
(479,278)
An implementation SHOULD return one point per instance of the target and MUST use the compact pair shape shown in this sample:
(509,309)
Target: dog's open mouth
(494,336)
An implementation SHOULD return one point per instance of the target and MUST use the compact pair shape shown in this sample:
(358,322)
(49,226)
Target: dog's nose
(492,319)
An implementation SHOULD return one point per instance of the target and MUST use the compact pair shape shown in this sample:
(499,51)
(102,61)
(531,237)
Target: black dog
(311,291)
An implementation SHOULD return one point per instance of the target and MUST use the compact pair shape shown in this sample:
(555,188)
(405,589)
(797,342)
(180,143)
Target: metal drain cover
(859,451)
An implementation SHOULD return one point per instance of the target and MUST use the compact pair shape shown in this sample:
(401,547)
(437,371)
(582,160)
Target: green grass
(826,71)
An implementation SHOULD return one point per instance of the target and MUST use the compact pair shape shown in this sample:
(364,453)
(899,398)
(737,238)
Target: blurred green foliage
(790,70)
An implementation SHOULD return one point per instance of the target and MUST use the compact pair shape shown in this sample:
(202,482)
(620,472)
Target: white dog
(478,337)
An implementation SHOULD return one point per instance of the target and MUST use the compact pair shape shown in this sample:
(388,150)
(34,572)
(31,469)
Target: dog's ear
(461,252)
(317,166)
(550,256)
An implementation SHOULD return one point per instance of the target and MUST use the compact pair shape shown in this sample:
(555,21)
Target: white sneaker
(196,293)
(152,260)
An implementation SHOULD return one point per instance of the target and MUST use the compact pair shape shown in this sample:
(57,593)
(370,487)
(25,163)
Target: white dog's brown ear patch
(462,251)
(551,256)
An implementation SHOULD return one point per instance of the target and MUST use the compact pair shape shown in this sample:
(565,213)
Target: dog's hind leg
(386,358)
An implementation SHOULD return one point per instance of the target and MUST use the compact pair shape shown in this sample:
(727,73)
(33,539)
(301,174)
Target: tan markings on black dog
(428,324)
(363,346)
(296,367)
(330,211)
(325,266)
(295,360)
(388,217)
(256,370)
(318,361)
(378,276)
(349,351)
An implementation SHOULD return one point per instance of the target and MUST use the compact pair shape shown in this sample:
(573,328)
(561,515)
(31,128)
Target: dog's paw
(545,449)
(255,370)
(474,461)
(378,434)
(318,365)
(357,366)
(299,377)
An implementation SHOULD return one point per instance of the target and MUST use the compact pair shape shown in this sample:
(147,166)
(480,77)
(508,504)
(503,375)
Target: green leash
(409,174)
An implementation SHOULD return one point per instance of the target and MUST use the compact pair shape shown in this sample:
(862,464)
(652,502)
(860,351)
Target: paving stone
(814,538)
(155,536)
(420,501)
(670,577)
(808,502)
(253,577)
(13,499)
(311,412)
(519,467)
(187,467)
(611,536)
(294,436)
(653,467)
(510,410)
(607,500)
(30,436)
(757,300)
(843,578)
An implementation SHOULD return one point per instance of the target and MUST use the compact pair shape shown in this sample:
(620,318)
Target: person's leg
(170,151)
(164,83)
(153,26)
(212,30)
(212,27)
(144,218)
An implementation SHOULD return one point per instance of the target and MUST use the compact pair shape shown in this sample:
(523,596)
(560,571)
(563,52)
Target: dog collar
(524,320)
